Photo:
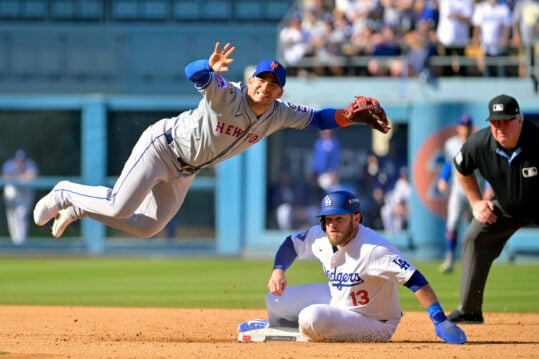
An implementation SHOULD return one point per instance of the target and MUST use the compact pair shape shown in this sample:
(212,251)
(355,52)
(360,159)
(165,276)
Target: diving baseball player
(230,118)
(360,301)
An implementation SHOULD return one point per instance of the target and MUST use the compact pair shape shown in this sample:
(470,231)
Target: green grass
(219,283)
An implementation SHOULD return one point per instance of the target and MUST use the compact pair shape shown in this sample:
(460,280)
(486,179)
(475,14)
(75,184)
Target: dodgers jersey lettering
(223,125)
(363,274)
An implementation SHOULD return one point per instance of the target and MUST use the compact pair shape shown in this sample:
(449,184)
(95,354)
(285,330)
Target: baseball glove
(367,110)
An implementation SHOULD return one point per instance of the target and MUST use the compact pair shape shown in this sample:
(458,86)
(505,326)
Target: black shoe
(458,317)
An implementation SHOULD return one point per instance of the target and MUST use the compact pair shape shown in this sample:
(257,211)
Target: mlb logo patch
(497,107)
(529,172)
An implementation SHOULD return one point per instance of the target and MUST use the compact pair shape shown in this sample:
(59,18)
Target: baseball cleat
(446,266)
(252,325)
(61,221)
(46,209)
(458,317)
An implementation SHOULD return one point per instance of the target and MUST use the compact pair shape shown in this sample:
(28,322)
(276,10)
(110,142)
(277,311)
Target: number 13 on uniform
(360,297)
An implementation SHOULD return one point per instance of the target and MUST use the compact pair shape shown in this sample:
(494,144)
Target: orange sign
(428,164)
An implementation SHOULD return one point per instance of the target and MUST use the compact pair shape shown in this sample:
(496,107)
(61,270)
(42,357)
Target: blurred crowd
(398,37)
(382,185)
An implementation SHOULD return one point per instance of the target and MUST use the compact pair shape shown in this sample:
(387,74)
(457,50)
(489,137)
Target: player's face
(507,132)
(464,131)
(340,229)
(264,89)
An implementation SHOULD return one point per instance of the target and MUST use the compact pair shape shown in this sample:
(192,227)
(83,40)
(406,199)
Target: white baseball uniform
(18,198)
(457,201)
(360,301)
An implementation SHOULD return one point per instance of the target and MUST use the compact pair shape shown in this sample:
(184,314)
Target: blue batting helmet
(339,202)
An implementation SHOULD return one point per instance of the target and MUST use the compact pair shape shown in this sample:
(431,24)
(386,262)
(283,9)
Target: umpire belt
(184,166)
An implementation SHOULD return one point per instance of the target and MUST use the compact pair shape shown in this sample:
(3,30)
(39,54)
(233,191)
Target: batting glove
(445,329)
(450,333)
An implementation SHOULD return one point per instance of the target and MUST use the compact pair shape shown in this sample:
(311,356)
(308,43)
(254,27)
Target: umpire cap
(339,202)
(503,107)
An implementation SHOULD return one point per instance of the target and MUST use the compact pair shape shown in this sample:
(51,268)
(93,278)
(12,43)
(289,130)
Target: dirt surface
(80,332)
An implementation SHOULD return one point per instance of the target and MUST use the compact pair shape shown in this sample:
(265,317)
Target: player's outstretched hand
(450,333)
(220,59)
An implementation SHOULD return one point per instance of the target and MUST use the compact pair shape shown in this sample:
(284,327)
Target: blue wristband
(436,313)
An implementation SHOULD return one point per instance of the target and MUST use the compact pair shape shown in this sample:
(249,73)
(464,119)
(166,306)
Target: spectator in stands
(427,10)
(319,25)
(492,23)
(312,16)
(361,43)
(399,14)
(365,25)
(391,163)
(397,201)
(294,42)
(325,159)
(371,174)
(18,198)
(286,198)
(361,13)
(420,46)
(372,202)
(526,30)
(342,33)
(453,32)
(326,42)
(322,5)
(371,192)
(384,47)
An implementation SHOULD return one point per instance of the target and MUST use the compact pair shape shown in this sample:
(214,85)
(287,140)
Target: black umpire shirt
(514,177)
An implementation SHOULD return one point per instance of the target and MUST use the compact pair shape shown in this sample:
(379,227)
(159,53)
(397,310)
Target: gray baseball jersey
(223,125)
(155,179)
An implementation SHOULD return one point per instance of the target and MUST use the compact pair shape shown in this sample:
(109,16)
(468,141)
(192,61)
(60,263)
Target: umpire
(507,156)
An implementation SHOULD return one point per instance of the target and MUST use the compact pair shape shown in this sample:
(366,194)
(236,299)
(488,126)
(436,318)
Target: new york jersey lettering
(234,131)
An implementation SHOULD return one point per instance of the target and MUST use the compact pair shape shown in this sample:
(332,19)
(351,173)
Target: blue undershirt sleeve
(416,281)
(445,174)
(198,72)
(286,254)
(323,119)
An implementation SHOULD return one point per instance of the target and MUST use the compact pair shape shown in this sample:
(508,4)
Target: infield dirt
(92,332)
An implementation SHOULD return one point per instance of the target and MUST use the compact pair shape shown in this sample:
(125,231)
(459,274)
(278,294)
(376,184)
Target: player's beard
(342,237)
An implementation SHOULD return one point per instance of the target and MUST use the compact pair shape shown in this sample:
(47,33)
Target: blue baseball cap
(465,120)
(339,202)
(274,67)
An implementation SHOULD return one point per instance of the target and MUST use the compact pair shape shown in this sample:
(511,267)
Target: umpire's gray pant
(482,244)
